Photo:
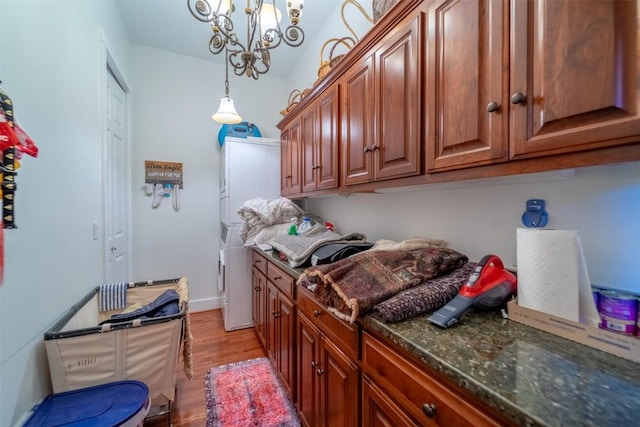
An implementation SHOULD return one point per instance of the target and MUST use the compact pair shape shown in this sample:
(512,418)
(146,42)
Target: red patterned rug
(247,393)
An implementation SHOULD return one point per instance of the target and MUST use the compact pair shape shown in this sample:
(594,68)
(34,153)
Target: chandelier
(264,33)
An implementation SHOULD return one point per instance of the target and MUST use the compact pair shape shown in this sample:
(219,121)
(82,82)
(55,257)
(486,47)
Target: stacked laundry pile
(264,219)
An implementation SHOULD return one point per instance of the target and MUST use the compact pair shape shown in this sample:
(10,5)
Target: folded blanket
(259,213)
(352,286)
(425,297)
(298,249)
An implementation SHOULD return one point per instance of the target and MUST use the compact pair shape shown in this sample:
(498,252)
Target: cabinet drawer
(259,261)
(345,335)
(282,280)
(416,391)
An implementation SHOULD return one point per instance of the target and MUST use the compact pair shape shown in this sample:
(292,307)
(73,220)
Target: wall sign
(163,173)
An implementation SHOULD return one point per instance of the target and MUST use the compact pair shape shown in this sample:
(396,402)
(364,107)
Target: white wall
(305,72)
(173,100)
(481,217)
(52,63)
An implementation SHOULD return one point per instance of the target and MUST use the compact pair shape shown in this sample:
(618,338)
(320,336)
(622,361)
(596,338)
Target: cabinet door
(308,338)
(339,379)
(328,133)
(272,324)
(466,96)
(574,75)
(397,145)
(290,158)
(357,122)
(259,304)
(379,410)
(308,143)
(285,163)
(286,339)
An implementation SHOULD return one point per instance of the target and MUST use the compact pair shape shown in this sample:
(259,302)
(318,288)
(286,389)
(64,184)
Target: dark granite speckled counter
(532,377)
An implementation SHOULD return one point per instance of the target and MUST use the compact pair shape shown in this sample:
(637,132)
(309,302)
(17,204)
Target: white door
(116,179)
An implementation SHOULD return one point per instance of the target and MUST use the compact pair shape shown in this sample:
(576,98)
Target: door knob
(492,107)
(517,98)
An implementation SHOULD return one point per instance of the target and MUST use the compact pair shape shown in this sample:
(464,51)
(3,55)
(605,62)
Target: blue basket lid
(109,404)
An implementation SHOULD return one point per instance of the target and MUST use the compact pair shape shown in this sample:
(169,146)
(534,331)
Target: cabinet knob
(277,277)
(317,313)
(429,410)
(492,107)
(257,288)
(375,147)
(257,261)
(320,371)
(367,149)
(517,98)
(275,314)
(287,177)
(313,364)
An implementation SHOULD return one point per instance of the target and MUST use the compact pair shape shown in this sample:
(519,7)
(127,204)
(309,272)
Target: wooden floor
(212,346)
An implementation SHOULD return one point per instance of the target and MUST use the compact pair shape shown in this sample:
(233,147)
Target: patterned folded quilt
(425,297)
(352,286)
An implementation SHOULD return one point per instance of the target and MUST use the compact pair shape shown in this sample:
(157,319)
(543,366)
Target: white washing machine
(234,279)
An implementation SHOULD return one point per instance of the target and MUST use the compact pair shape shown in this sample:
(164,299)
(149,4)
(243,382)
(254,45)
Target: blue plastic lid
(109,404)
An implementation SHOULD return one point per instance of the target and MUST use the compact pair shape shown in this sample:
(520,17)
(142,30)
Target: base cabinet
(280,335)
(259,305)
(327,380)
(411,396)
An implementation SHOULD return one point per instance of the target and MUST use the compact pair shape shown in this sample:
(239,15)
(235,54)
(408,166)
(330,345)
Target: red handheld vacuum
(488,287)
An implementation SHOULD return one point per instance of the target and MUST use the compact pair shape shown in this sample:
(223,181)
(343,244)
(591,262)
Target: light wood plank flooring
(212,346)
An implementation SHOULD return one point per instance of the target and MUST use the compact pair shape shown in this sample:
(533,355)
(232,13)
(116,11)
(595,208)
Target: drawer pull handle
(320,371)
(257,261)
(429,410)
(277,278)
(317,313)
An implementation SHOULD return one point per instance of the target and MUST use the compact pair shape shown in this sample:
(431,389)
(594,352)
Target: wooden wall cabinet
(290,184)
(466,86)
(320,142)
(328,377)
(521,79)
(573,76)
(381,108)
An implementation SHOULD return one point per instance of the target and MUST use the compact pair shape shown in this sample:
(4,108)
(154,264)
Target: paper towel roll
(548,271)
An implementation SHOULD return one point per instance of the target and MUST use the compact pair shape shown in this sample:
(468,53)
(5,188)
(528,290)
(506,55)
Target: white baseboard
(205,304)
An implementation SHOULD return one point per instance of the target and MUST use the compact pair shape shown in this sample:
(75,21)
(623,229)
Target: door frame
(108,62)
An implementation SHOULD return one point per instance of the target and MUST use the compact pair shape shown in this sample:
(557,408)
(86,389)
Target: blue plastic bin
(120,403)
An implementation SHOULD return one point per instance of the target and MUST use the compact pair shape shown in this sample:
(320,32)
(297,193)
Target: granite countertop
(533,377)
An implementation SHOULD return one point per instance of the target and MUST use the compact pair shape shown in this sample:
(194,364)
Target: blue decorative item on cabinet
(238,130)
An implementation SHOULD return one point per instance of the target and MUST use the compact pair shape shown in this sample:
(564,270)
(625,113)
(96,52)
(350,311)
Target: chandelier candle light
(263,32)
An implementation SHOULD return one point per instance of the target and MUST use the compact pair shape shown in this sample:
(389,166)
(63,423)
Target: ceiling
(168,25)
